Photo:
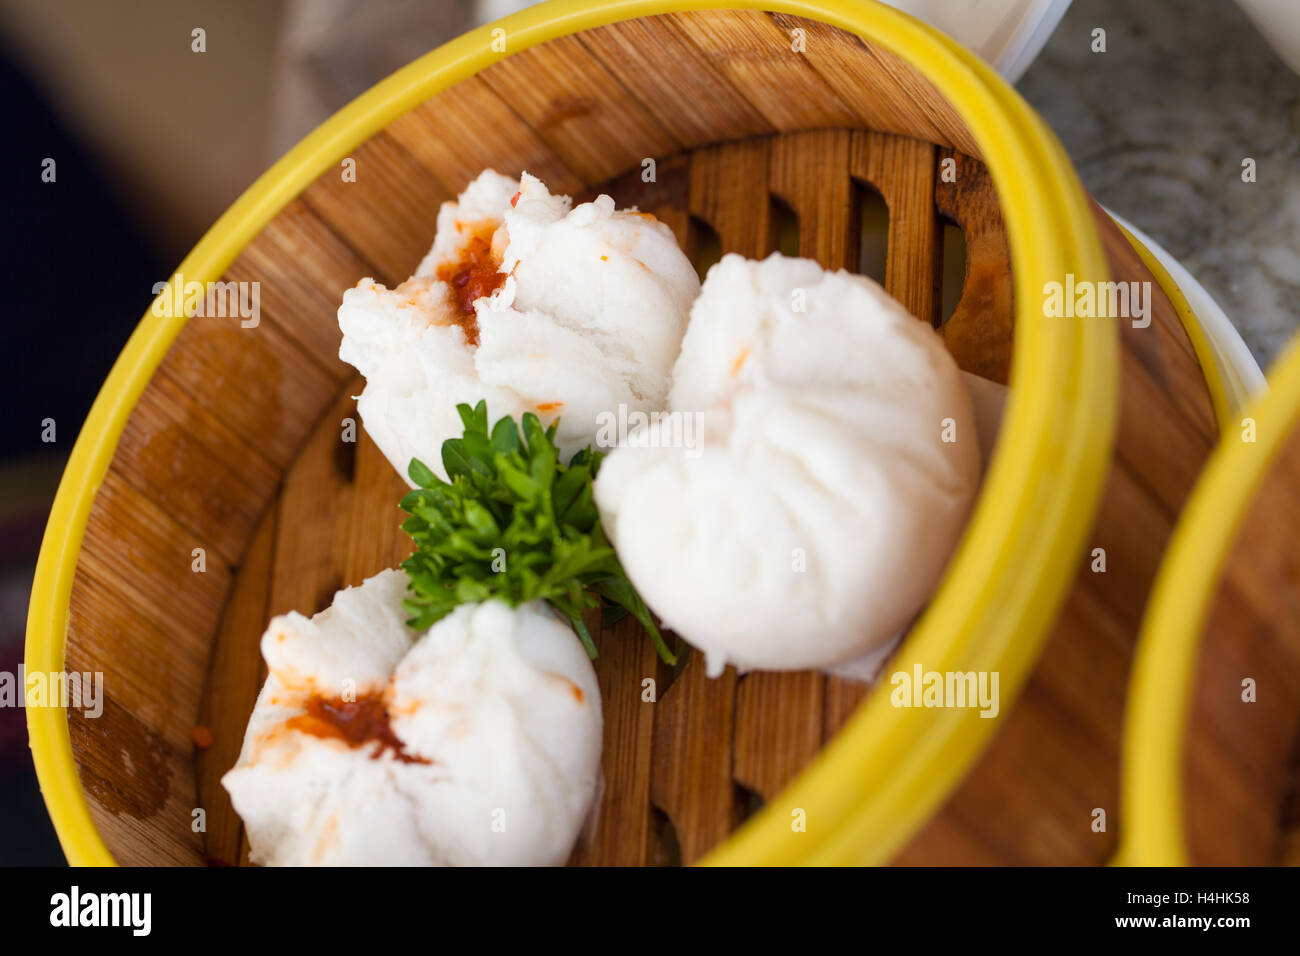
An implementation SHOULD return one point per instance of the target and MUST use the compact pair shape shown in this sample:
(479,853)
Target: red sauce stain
(202,737)
(356,722)
(475,274)
(740,361)
(567,108)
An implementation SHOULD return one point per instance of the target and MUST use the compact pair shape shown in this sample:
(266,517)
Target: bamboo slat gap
(902,171)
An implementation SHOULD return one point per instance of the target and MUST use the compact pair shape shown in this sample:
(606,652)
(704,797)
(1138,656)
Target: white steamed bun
(586,312)
(496,711)
(821,505)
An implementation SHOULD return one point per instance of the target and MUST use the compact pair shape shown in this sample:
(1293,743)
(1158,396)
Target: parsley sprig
(513,523)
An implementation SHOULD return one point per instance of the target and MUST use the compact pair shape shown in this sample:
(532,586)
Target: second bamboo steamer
(1212,744)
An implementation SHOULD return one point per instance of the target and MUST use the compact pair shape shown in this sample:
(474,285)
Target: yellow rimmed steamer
(1212,745)
(766,120)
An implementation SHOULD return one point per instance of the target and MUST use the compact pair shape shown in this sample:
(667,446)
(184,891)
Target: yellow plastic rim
(888,769)
(1168,651)
(1221,398)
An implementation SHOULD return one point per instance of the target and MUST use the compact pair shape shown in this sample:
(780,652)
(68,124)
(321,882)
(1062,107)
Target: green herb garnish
(514,523)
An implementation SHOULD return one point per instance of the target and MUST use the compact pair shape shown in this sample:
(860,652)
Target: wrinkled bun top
(587,314)
(497,712)
(813,518)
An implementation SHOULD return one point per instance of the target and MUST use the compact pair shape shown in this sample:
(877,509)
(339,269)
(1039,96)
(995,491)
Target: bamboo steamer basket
(1211,768)
(210,435)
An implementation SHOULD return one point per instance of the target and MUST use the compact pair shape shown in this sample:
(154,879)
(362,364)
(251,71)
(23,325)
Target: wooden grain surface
(238,445)
(1241,765)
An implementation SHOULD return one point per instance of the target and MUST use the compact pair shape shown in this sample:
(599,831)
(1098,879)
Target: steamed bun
(821,504)
(483,748)
(527,303)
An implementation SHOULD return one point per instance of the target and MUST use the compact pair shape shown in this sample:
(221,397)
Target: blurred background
(152,140)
